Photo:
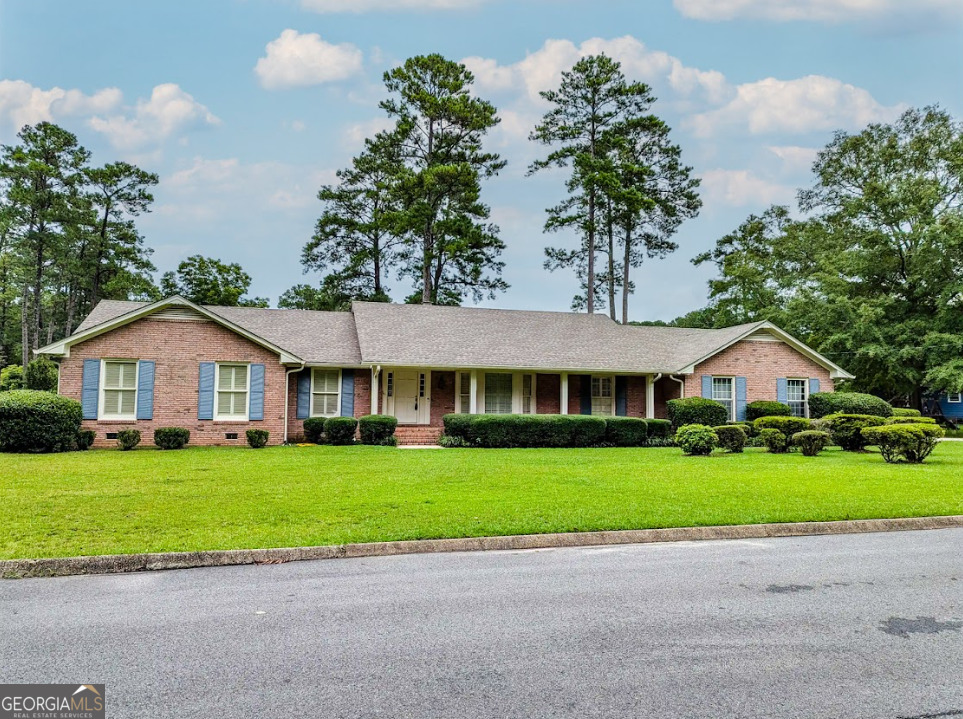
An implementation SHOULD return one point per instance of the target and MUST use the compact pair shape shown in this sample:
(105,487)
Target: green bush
(453,442)
(378,429)
(457,425)
(824,403)
(747,427)
(658,429)
(85,439)
(787,425)
(11,377)
(526,430)
(340,430)
(41,374)
(696,439)
(314,429)
(774,440)
(811,442)
(696,410)
(32,421)
(846,429)
(732,437)
(906,412)
(910,442)
(626,431)
(127,439)
(257,438)
(910,420)
(766,408)
(172,437)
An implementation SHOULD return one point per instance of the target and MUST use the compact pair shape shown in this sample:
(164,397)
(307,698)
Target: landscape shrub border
(696,410)
(37,421)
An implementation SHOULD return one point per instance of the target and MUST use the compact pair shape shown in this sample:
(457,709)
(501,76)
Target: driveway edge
(119,563)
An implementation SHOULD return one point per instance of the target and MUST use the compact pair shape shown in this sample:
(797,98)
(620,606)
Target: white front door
(406,397)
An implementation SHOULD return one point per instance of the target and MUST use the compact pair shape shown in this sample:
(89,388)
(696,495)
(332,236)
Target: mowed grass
(107,501)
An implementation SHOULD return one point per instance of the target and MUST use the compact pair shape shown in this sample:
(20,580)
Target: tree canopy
(208,281)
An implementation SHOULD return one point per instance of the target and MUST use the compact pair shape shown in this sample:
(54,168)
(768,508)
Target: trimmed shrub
(172,437)
(787,425)
(910,420)
(85,439)
(456,425)
(658,429)
(313,429)
(626,431)
(747,427)
(906,412)
(811,442)
(32,421)
(11,377)
(846,429)
(257,438)
(732,437)
(450,442)
(774,440)
(696,410)
(378,429)
(127,439)
(526,430)
(910,442)
(824,403)
(696,439)
(766,408)
(340,430)
(41,374)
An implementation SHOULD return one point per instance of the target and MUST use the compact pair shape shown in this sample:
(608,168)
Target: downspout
(681,385)
(287,397)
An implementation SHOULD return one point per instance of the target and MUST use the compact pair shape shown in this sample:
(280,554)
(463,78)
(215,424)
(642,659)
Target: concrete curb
(117,563)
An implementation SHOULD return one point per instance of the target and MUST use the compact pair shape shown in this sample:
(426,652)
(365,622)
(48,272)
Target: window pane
(240,377)
(498,393)
(127,400)
(602,406)
(224,403)
(120,375)
(722,389)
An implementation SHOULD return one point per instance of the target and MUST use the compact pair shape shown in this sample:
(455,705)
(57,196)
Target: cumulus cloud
(298,59)
(356,133)
(827,11)
(739,188)
(23,104)
(360,6)
(794,158)
(803,105)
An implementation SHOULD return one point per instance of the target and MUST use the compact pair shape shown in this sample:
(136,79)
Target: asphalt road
(846,626)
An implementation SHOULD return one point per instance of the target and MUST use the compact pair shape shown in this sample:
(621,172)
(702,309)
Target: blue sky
(244,107)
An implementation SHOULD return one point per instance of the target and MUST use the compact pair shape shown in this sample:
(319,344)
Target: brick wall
(548,389)
(362,401)
(664,390)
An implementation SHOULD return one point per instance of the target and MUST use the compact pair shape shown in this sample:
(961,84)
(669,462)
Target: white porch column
(375,376)
(563,394)
(473,400)
(649,397)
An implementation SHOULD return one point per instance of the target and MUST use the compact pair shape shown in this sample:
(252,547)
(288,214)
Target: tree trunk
(590,290)
(99,256)
(625,273)
(611,277)
(24,325)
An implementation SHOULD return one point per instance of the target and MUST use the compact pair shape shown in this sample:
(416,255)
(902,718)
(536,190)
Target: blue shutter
(707,386)
(90,388)
(585,395)
(347,393)
(256,401)
(304,394)
(740,399)
(205,391)
(813,385)
(782,390)
(621,396)
(145,389)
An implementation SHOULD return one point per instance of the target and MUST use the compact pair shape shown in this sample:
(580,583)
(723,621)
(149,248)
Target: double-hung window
(464,392)
(120,389)
(954,397)
(528,391)
(326,392)
(723,392)
(498,393)
(232,391)
(603,396)
(796,392)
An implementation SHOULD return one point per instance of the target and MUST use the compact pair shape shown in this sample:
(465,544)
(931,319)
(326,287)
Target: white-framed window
(498,393)
(797,394)
(954,397)
(233,385)
(724,392)
(528,394)
(603,396)
(464,392)
(326,392)
(118,395)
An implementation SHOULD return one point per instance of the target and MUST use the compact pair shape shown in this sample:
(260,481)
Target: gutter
(681,385)
(287,397)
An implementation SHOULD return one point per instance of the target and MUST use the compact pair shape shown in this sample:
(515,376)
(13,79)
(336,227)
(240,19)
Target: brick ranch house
(219,371)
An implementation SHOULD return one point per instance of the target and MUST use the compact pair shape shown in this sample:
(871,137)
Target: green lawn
(105,502)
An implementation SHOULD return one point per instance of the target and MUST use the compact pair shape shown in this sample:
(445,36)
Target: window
(528,384)
(326,392)
(120,390)
(796,396)
(498,393)
(390,384)
(722,392)
(603,396)
(464,392)
(232,391)
(954,397)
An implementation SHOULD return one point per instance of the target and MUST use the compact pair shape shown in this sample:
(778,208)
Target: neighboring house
(219,371)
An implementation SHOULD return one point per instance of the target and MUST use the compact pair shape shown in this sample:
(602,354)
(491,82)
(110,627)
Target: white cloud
(807,104)
(356,133)
(360,6)
(738,188)
(829,11)
(794,158)
(295,60)
(23,104)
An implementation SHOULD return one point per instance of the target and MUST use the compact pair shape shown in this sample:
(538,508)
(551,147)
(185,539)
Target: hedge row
(376,429)
(550,430)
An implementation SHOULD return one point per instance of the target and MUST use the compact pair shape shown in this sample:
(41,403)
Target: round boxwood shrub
(846,429)
(171,437)
(732,437)
(766,408)
(340,430)
(774,440)
(908,442)
(314,429)
(824,403)
(906,412)
(696,439)
(811,441)
(11,377)
(378,429)
(33,421)
(257,438)
(41,374)
(696,410)
(626,431)
(787,425)
(658,428)
(128,438)
(85,439)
